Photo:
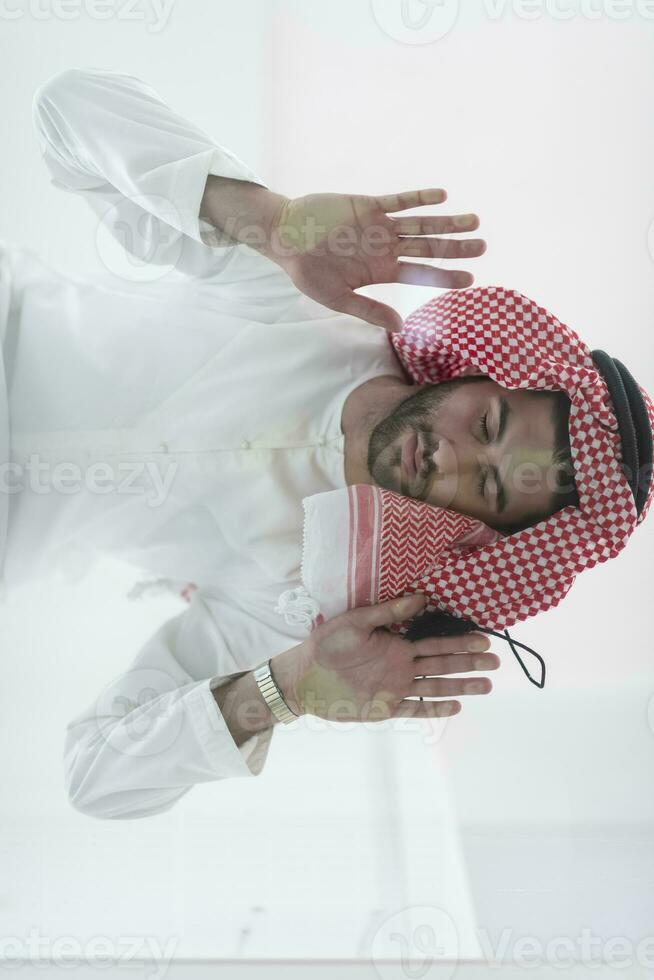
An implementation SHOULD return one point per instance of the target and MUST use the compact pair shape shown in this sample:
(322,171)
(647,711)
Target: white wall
(543,128)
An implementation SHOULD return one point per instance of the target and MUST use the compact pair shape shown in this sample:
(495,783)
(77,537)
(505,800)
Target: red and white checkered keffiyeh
(364,544)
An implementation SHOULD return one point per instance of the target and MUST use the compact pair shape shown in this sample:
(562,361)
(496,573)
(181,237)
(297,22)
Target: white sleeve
(141,166)
(156,729)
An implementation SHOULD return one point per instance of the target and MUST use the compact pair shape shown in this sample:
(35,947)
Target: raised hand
(351,668)
(332,244)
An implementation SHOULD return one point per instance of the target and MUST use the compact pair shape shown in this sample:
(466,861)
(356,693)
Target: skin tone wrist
(243,706)
(240,211)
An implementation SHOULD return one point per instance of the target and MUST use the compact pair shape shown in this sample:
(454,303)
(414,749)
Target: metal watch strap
(272,695)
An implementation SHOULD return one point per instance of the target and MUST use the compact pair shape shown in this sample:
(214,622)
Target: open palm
(331,244)
(353,668)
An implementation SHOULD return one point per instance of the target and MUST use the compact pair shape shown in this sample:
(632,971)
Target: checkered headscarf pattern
(518,344)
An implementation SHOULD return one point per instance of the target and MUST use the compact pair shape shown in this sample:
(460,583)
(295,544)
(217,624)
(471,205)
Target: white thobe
(176,423)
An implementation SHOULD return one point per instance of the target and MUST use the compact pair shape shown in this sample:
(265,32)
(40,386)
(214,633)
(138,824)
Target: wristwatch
(272,695)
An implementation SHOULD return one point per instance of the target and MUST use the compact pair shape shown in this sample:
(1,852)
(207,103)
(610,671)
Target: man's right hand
(351,668)
(331,244)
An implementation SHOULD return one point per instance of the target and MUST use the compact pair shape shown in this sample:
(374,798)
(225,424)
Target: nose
(441,456)
(446,460)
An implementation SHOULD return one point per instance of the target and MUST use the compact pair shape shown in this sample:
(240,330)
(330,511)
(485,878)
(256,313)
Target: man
(180,424)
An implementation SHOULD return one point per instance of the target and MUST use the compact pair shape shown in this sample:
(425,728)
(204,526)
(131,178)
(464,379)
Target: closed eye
(500,492)
(483,472)
(503,419)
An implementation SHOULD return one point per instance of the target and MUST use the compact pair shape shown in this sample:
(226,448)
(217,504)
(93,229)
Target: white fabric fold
(215,362)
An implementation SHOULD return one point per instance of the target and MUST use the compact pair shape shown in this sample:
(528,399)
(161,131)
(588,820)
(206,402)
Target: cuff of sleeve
(226,757)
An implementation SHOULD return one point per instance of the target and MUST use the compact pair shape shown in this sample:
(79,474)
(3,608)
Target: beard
(419,413)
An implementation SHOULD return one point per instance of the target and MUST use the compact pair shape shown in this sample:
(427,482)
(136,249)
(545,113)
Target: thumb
(391,611)
(373,312)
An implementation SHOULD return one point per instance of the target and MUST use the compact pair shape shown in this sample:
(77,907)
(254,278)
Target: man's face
(469,445)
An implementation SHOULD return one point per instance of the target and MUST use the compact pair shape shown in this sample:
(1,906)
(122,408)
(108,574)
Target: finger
(415,274)
(372,312)
(431,224)
(443,248)
(391,611)
(457,663)
(411,199)
(432,646)
(427,709)
(440,687)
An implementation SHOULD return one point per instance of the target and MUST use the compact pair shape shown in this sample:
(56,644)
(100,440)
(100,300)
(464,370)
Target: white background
(533,812)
